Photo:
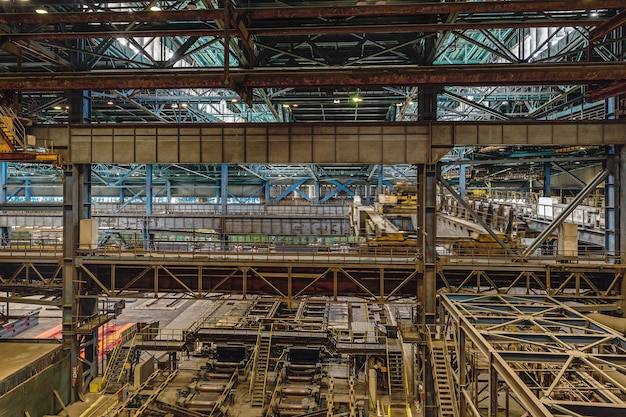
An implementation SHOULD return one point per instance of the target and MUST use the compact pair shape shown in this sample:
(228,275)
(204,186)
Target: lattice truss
(534,354)
(362,36)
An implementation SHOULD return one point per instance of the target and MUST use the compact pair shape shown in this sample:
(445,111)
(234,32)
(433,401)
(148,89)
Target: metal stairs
(442,376)
(395,368)
(13,131)
(116,378)
(262,362)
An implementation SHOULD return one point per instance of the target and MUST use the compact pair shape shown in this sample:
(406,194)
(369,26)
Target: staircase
(13,131)
(396,375)
(262,362)
(446,399)
(115,378)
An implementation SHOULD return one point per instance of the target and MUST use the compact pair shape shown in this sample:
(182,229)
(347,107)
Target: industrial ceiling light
(184,105)
(110,102)
(155,8)
(357,99)
(295,105)
(41,10)
(174,105)
(336,101)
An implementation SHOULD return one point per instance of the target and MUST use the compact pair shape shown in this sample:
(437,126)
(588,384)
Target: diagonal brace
(597,180)
(469,208)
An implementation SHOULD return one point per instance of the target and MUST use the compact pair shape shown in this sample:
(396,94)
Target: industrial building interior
(278,208)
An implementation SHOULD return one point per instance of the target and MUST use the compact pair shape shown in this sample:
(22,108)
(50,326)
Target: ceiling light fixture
(155,8)
(41,11)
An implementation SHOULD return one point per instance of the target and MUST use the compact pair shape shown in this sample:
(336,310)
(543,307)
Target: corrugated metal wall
(36,395)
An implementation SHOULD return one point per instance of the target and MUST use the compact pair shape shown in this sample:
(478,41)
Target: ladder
(262,362)
(442,376)
(396,375)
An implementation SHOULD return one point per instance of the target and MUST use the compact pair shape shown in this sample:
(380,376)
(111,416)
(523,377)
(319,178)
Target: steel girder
(550,358)
(568,283)
(286,280)
(438,75)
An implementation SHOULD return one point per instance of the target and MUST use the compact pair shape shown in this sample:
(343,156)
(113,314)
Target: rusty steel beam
(429,8)
(448,75)
(317,12)
(607,26)
(604,93)
(307,30)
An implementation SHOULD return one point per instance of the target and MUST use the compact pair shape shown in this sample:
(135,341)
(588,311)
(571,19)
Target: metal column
(149,202)
(147,241)
(87,306)
(612,205)
(27,190)
(224,190)
(4,178)
(381,181)
(69,296)
(84,179)
(462,180)
(547,179)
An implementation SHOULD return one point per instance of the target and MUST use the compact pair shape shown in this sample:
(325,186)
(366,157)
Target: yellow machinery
(16,145)
(374,223)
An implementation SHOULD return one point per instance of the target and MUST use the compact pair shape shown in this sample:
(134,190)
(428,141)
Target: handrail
(130,349)
(451,377)
(112,359)
(267,364)
(16,127)
(388,376)
(256,358)
(226,390)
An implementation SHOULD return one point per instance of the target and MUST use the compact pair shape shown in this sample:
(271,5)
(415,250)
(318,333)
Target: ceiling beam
(448,75)
(322,29)
(316,12)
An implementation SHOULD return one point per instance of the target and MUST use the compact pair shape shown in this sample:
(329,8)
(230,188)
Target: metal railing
(10,121)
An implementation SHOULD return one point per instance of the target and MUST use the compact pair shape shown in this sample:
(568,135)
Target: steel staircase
(13,131)
(116,378)
(262,362)
(396,375)
(442,376)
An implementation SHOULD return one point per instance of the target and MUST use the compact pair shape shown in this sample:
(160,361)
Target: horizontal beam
(323,28)
(357,143)
(317,12)
(442,75)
